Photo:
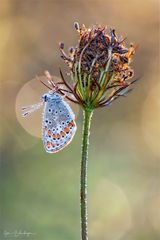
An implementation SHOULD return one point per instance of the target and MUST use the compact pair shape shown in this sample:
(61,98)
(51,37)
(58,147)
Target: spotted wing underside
(59,126)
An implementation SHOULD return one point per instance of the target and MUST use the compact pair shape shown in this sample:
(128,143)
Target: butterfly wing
(59,126)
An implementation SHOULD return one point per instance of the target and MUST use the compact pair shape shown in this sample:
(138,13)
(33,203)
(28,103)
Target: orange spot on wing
(73,123)
(70,124)
(58,135)
(66,129)
(62,133)
(49,144)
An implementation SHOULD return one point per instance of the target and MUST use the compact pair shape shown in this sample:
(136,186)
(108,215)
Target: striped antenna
(31,108)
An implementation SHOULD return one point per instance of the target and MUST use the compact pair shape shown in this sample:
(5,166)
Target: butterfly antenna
(50,80)
(43,83)
(31,108)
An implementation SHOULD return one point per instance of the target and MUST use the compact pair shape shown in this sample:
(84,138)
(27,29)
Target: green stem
(83,194)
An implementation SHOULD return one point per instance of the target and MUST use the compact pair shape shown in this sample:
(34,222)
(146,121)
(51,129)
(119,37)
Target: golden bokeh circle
(29,94)
(109,207)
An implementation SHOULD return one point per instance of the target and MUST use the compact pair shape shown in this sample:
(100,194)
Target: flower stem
(83,191)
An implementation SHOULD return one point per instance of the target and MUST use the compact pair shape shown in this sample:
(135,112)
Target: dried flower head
(99,67)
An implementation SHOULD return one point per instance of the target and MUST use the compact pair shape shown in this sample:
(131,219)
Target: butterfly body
(58,126)
(58,123)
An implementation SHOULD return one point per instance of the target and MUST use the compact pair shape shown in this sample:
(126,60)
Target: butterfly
(58,121)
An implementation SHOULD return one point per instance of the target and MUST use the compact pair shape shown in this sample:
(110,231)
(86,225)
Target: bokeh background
(40,192)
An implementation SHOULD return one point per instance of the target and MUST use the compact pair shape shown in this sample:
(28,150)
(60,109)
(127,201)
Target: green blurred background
(40,192)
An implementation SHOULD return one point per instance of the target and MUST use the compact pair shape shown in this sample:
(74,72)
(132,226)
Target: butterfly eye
(45,98)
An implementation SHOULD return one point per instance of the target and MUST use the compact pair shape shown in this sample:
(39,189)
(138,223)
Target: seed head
(61,45)
(99,66)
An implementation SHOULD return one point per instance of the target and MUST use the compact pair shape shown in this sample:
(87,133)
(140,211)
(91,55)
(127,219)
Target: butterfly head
(51,95)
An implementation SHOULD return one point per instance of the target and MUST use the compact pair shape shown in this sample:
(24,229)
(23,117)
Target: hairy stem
(83,194)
